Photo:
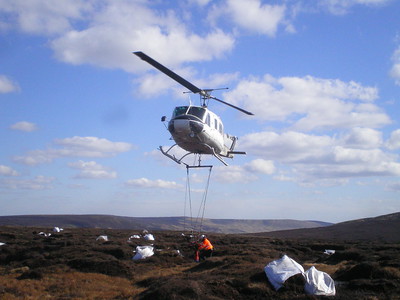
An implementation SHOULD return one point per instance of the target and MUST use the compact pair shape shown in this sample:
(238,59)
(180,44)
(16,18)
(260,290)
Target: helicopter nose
(185,126)
(196,127)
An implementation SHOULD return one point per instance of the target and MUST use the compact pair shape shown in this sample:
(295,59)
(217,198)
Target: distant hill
(162,223)
(381,229)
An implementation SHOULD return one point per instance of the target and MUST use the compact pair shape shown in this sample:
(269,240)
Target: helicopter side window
(208,119)
(216,124)
(197,111)
(220,128)
(180,110)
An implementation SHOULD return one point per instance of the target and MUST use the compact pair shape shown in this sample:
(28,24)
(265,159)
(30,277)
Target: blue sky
(80,114)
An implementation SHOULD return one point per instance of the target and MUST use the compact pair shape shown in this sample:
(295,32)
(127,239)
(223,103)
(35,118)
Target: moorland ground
(73,265)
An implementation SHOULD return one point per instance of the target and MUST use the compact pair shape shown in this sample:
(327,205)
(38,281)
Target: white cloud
(287,147)
(309,103)
(260,166)
(92,170)
(24,126)
(314,158)
(7,171)
(7,85)
(253,16)
(75,147)
(395,70)
(37,183)
(200,2)
(246,173)
(363,156)
(342,6)
(112,49)
(104,33)
(147,183)
(363,138)
(93,146)
(233,174)
(354,163)
(371,2)
(37,157)
(43,17)
(393,142)
(283,177)
(125,26)
(152,84)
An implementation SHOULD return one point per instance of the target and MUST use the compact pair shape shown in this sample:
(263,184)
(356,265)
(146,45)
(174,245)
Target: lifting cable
(196,224)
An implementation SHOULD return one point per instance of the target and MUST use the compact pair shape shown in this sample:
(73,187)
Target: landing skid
(219,157)
(179,160)
(173,157)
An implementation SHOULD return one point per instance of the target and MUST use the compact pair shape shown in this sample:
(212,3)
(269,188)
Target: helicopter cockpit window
(197,111)
(179,110)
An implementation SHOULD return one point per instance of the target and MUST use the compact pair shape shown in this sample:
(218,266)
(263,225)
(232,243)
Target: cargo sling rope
(196,224)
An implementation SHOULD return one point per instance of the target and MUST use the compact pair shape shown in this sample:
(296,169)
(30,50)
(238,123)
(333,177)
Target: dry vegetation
(73,265)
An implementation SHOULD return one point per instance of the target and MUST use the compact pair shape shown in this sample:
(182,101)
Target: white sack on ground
(329,252)
(319,283)
(143,252)
(57,229)
(1,244)
(44,234)
(135,236)
(149,237)
(102,238)
(280,270)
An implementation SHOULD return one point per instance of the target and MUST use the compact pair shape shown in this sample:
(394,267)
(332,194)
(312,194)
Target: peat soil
(72,264)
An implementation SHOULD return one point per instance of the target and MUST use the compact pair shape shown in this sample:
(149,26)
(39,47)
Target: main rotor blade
(168,72)
(233,106)
(191,87)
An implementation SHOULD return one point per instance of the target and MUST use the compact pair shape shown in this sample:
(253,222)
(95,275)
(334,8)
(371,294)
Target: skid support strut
(179,160)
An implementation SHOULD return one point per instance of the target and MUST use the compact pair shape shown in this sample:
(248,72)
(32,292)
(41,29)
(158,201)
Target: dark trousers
(205,253)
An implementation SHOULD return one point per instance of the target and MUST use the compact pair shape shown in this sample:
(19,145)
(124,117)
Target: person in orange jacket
(204,248)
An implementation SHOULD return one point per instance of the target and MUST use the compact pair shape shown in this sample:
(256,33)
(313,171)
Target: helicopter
(196,129)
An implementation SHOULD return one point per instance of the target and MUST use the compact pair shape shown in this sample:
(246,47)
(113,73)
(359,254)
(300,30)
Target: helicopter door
(215,126)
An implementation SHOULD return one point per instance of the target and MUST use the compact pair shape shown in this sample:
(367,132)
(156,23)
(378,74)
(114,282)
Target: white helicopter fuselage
(196,129)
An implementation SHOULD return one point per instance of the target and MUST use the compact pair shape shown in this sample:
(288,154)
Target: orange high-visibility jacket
(206,245)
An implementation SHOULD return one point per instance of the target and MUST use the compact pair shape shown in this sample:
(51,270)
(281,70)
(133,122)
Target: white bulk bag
(102,238)
(143,252)
(319,283)
(280,270)
(149,237)
(44,234)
